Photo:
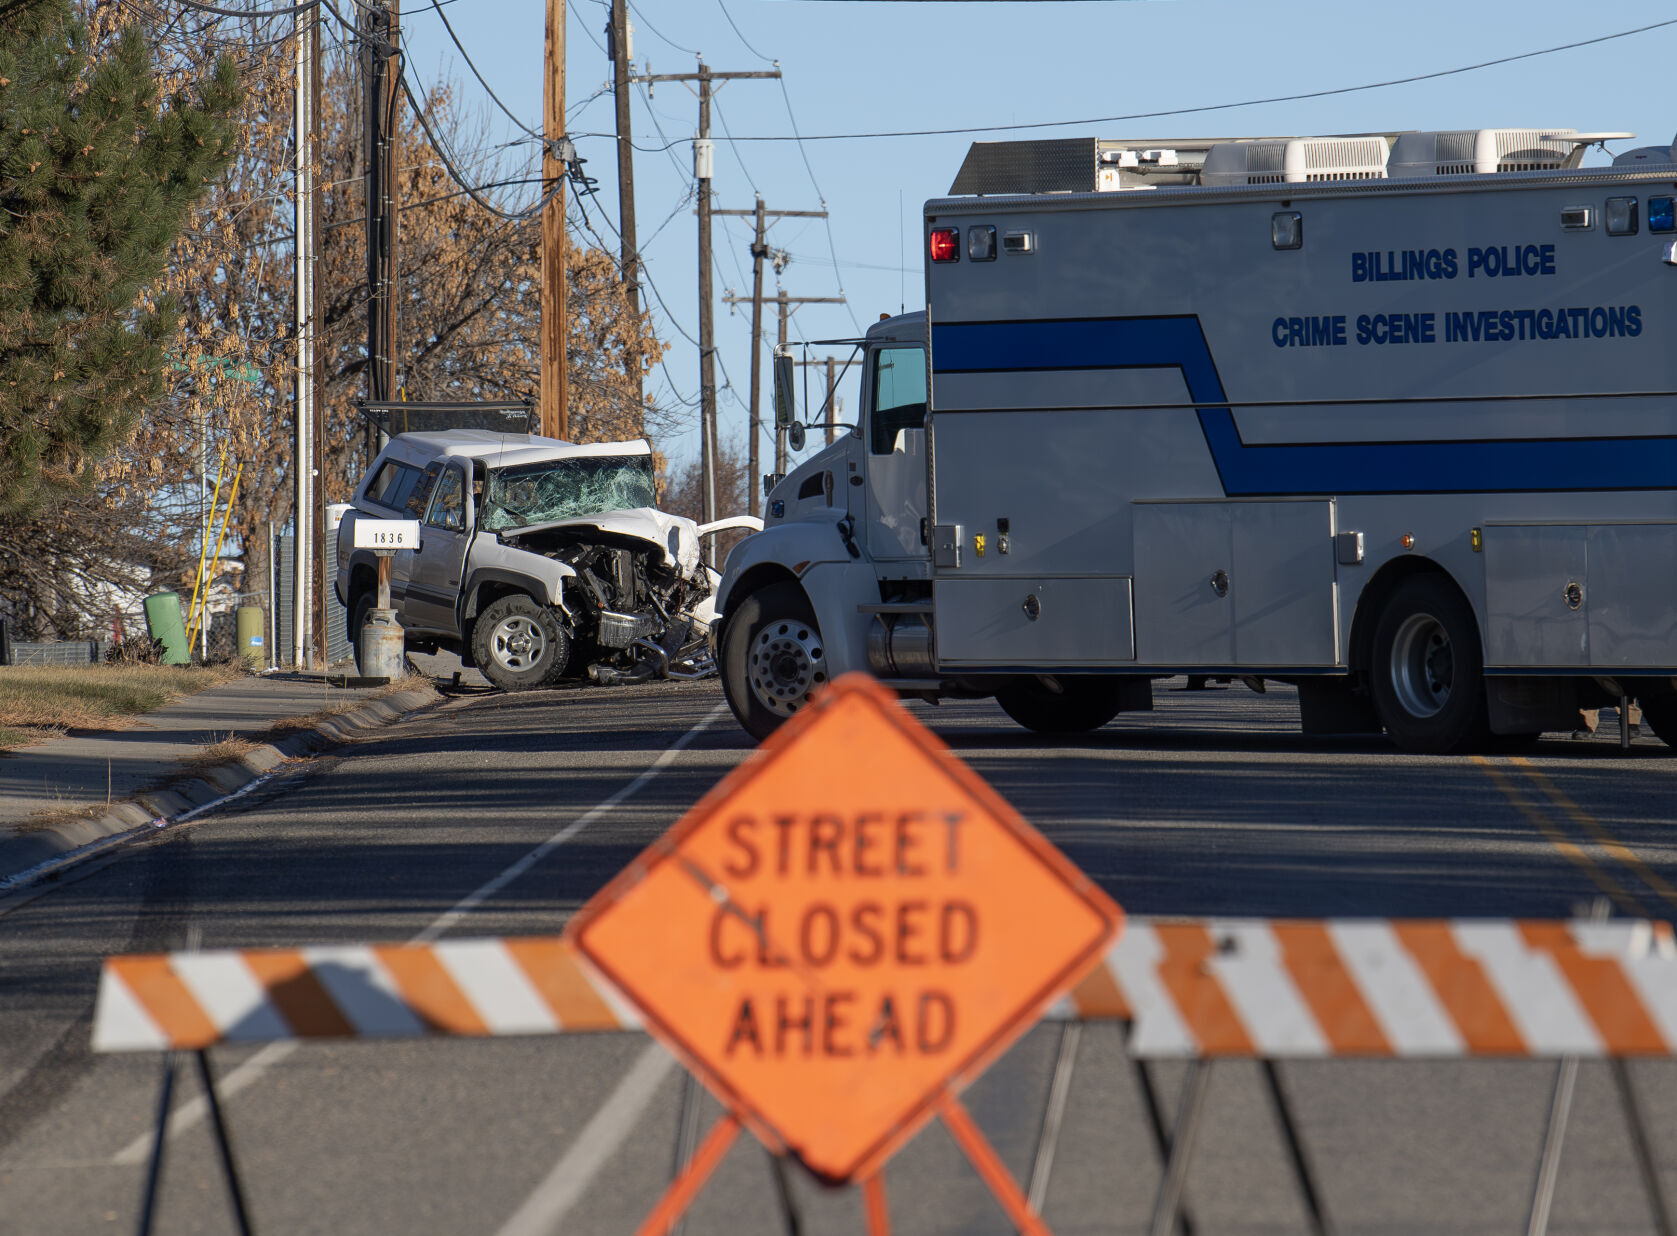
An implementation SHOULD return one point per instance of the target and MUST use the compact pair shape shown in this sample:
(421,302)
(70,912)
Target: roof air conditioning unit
(1296,160)
(1463,152)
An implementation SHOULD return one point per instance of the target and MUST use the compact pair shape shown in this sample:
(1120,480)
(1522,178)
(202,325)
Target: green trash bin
(252,623)
(164,622)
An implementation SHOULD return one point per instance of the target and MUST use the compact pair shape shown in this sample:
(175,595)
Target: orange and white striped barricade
(1199,990)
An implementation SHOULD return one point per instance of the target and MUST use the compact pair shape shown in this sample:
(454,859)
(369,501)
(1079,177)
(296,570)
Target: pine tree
(97,177)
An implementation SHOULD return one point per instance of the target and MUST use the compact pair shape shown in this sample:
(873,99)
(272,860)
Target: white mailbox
(386,534)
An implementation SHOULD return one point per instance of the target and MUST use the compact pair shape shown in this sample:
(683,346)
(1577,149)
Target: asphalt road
(1211,805)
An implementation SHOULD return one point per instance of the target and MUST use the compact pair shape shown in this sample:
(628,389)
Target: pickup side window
(419,497)
(393,484)
(448,502)
(899,396)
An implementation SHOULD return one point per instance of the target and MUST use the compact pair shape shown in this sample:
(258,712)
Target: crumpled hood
(676,535)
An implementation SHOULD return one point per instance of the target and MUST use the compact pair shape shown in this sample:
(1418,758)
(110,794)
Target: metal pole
(317,371)
(554,414)
(302,404)
(223,1144)
(1059,1095)
(622,52)
(759,251)
(1554,1135)
(1644,1151)
(703,161)
(1175,1183)
(832,401)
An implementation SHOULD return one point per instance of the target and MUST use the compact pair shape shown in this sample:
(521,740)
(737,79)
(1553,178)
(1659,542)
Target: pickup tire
(773,657)
(1083,704)
(519,645)
(1427,673)
(360,605)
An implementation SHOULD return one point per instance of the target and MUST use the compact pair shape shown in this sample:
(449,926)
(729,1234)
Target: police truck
(1389,417)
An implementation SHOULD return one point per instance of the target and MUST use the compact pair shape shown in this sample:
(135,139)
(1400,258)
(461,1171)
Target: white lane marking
(1395,990)
(472,900)
(497,989)
(599,1139)
(195,1109)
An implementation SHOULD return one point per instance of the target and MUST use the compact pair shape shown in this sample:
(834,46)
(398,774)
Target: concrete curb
(32,857)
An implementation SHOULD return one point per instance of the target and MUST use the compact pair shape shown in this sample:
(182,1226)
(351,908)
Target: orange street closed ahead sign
(849,923)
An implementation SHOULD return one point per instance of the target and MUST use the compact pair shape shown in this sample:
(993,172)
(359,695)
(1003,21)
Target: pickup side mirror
(784,397)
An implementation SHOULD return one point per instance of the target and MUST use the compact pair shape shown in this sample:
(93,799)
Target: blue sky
(872,66)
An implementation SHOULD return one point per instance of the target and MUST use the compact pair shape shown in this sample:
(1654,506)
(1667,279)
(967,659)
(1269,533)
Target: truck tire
(1082,705)
(519,645)
(773,657)
(1427,673)
(1660,712)
(360,605)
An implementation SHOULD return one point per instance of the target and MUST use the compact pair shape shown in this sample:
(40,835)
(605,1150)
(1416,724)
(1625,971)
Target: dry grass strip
(40,701)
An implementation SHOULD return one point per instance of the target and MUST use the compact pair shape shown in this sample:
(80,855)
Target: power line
(1209,107)
(256,13)
(482,81)
(742,37)
(689,50)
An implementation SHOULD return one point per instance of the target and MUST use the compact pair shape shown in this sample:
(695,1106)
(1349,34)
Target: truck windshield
(539,493)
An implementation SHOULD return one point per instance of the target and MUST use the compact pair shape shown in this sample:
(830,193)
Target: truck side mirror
(784,406)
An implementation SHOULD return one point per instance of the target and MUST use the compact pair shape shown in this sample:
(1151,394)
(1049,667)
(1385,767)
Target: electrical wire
(257,13)
(742,37)
(482,81)
(636,11)
(1217,107)
(474,191)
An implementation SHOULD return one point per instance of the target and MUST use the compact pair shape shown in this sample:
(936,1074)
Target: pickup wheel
(1080,706)
(1427,674)
(519,645)
(360,605)
(773,657)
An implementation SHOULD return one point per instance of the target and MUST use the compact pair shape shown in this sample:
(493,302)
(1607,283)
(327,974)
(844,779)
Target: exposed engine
(630,605)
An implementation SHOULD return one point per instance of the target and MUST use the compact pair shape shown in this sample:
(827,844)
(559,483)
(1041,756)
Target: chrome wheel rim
(517,644)
(786,662)
(1423,667)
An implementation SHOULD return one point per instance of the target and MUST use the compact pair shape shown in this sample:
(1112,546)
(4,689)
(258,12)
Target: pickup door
(436,571)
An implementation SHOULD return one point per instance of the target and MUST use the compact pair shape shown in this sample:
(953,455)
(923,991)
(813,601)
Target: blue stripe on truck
(1316,468)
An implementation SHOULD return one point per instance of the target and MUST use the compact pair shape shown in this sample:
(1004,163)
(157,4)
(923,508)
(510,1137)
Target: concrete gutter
(29,858)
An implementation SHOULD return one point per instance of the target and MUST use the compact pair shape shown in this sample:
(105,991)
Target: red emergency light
(946,244)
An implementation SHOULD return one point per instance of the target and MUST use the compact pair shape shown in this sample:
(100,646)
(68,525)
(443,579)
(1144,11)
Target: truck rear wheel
(1427,673)
(519,645)
(1660,712)
(1082,704)
(773,657)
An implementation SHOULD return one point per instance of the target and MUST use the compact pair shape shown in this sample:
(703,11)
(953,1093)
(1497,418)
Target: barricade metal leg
(154,1171)
(1319,1223)
(223,1144)
(1644,1151)
(685,1187)
(1554,1135)
(1192,1105)
(783,1193)
(1059,1094)
(873,1202)
(686,1134)
(1161,1135)
(990,1168)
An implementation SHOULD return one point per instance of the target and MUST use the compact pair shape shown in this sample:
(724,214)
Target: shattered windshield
(539,493)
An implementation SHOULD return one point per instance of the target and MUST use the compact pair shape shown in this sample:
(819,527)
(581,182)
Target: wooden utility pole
(381,35)
(786,302)
(622,52)
(703,165)
(760,251)
(555,421)
(830,422)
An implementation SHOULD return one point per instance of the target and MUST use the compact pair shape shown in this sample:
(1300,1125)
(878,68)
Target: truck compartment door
(1561,596)
(1059,623)
(1248,584)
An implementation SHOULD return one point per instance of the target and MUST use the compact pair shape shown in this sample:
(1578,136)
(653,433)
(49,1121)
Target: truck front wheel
(1079,706)
(1427,674)
(773,657)
(519,645)
(1660,712)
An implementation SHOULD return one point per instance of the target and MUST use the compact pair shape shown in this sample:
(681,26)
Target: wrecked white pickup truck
(538,559)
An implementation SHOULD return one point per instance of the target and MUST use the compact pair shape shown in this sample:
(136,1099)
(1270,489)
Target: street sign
(845,931)
(386,534)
